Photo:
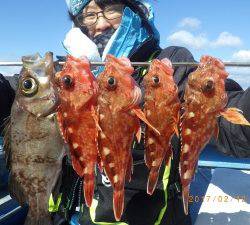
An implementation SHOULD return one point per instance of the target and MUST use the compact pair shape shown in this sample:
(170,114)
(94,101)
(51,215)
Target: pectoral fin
(177,120)
(235,116)
(138,134)
(16,191)
(95,113)
(176,130)
(138,112)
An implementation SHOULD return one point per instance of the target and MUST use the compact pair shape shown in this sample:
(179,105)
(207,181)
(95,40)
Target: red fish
(77,117)
(119,114)
(161,107)
(205,100)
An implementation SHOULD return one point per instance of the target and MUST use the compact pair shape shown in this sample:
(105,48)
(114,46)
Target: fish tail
(88,189)
(152,180)
(185,198)
(118,203)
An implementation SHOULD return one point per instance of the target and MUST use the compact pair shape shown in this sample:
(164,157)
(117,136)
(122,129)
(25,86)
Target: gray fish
(33,145)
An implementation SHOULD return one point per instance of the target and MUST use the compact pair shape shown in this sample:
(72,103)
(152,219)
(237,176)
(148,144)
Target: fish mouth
(56,101)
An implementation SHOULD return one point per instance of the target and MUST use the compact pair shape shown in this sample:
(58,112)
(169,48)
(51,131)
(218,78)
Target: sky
(217,28)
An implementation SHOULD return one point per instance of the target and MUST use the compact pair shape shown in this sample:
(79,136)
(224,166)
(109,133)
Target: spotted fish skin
(161,108)
(205,100)
(118,103)
(77,118)
(33,145)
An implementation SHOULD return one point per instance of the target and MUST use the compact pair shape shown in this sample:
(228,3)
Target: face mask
(101,40)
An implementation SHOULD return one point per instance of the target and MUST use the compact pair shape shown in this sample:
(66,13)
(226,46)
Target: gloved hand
(7,95)
(78,44)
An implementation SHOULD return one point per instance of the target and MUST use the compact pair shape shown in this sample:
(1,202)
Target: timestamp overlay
(226,200)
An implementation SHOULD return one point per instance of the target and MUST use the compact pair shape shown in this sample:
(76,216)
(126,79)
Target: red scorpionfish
(119,113)
(205,100)
(77,117)
(162,107)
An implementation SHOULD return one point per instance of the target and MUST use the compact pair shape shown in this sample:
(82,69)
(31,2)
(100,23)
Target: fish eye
(111,82)
(156,80)
(208,86)
(67,81)
(29,86)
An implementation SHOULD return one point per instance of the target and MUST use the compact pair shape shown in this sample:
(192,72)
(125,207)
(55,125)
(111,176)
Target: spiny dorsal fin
(31,60)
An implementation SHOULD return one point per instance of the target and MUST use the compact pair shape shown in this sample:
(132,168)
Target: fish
(162,109)
(78,119)
(119,119)
(32,142)
(205,99)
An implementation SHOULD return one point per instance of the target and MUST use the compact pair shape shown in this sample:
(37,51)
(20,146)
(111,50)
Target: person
(126,28)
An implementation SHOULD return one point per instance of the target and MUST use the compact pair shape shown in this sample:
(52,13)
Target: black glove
(7,95)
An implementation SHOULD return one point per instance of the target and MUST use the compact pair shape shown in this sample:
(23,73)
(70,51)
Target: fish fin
(177,120)
(88,188)
(61,129)
(16,191)
(138,112)
(154,171)
(216,131)
(138,134)
(152,180)
(146,157)
(118,203)
(6,121)
(6,142)
(94,114)
(235,116)
(176,130)
(185,198)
